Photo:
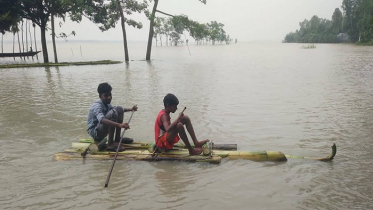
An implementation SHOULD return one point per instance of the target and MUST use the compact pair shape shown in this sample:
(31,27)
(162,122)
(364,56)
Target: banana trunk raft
(212,153)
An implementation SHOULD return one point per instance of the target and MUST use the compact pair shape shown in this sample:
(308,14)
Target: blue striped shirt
(96,113)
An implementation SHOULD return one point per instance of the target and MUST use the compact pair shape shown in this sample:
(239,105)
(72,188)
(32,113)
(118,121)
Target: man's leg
(188,124)
(181,131)
(116,115)
(119,111)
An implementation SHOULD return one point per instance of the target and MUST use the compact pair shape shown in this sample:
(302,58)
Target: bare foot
(201,143)
(196,151)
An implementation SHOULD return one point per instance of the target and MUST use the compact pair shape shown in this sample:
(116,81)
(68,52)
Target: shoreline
(30,65)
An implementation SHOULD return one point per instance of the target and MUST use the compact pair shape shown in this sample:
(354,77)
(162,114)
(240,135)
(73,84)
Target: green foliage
(175,26)
(356,21)
(216,32)
(316,30)
(9,14)
(337,20)
(108,14)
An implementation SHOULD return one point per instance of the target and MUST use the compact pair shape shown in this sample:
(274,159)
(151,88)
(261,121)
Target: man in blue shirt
(105,119)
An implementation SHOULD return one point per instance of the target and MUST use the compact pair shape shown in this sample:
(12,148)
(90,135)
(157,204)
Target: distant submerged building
(343,37)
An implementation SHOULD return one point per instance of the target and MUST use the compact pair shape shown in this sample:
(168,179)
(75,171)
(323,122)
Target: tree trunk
(29,30)
(2,43)
(23,44)
(54,39)
(126,57)
(44,43)
(19,44)
(26,38)
(14,34)
(36,48)
(151,30)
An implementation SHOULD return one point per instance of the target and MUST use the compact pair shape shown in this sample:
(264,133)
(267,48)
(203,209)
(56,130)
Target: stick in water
(116,154)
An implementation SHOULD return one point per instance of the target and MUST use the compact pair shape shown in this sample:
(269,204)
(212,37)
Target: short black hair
(104,88)
(170,99)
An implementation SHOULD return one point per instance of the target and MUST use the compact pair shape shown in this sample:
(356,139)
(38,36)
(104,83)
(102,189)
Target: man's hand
(180,116)
(134,108)
(124,125)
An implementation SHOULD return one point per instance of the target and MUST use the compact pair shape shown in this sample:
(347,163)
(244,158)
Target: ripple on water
(259,96)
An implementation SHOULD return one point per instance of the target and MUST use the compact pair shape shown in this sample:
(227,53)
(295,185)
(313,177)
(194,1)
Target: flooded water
(261,96)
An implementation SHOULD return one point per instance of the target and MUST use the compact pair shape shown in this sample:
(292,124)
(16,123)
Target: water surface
(261,96)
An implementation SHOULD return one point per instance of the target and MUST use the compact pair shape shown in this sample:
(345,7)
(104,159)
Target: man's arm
(101,119)
(134,108)
(112,123)
(166,124)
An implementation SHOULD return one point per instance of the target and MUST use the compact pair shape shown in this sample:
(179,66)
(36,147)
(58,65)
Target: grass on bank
(29,65)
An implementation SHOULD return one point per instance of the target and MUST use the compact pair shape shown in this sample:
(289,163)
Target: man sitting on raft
(104,119)
(167,133)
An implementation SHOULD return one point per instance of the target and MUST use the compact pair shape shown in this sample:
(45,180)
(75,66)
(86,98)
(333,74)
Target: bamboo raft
(144,151)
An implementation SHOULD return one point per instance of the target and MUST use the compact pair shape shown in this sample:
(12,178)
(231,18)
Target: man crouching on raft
(167,133)
(104,119)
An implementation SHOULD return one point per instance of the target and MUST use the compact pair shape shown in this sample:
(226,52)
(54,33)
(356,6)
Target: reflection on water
(260,96)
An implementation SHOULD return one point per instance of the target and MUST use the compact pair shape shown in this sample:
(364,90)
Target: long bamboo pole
(145,145)
(248,155)
(116,153)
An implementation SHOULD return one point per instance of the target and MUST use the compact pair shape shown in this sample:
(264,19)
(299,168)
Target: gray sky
(246,20)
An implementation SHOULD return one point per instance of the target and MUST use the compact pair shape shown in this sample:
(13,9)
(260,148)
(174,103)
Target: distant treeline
(173,28)
(356,21)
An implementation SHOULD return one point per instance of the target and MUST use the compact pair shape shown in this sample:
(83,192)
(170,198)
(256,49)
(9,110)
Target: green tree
(216,31)
(123,9)
(198,31)
(349,24)
(159,29)
(151,27)
(337,20)
(9,14)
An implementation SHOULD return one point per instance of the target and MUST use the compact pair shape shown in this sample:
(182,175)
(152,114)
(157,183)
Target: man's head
(170,102)
(104,92)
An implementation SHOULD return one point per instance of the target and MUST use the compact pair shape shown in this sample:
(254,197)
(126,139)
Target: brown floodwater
(260,96)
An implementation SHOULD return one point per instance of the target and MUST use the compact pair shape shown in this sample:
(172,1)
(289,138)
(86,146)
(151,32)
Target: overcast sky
(246,20)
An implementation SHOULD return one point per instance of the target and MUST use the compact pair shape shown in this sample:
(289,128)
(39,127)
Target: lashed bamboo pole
(177,153)
(329,158)
(161,157)
(248,155)
(144,145)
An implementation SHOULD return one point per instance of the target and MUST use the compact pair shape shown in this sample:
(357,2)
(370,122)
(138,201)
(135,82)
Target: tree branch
(164,13)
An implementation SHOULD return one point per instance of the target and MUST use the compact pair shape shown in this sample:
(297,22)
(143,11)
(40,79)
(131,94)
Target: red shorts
(163,143)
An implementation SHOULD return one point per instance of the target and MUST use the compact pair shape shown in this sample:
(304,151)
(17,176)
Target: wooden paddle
(116,153)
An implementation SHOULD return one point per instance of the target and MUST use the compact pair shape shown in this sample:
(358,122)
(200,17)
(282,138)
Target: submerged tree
(111,12)
(151,28)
